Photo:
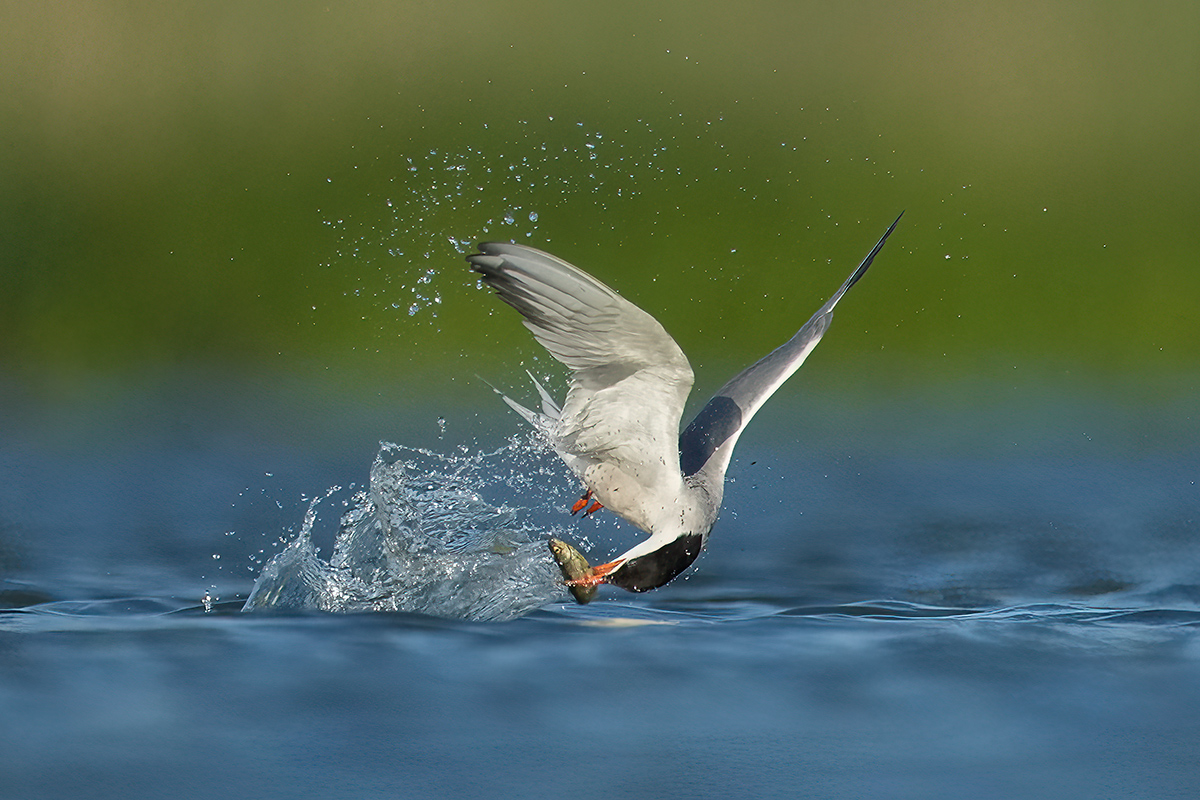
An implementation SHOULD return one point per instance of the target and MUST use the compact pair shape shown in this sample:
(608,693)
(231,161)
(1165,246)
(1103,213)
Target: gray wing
(618,428)
(707,443)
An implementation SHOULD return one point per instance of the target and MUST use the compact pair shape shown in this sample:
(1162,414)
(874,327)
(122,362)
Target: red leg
(581,503)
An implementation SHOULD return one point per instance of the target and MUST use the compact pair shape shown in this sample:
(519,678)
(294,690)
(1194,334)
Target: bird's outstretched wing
(618,428)
(706,445)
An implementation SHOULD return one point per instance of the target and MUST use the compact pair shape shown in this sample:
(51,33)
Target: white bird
(618,429)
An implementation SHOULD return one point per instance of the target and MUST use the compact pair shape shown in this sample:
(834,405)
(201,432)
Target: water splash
(430,206)
(419,539)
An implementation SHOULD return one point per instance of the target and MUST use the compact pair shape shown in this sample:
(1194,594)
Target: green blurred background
(268,191)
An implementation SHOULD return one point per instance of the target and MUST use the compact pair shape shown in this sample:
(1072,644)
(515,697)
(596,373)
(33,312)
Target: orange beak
(596,575)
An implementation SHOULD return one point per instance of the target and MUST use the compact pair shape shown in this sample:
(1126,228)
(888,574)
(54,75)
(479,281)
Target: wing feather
(706,445)
(618,428)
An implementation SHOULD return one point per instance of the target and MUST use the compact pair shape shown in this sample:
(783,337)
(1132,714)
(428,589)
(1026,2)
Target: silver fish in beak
(574,566)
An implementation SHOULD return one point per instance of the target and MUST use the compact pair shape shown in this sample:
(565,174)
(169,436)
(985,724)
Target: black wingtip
(862,268)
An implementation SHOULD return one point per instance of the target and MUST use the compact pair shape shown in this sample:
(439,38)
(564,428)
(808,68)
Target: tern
(618,428)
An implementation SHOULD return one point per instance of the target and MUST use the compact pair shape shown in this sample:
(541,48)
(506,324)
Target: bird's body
(618,428)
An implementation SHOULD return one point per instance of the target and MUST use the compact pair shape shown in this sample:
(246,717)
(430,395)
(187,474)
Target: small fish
(573,566)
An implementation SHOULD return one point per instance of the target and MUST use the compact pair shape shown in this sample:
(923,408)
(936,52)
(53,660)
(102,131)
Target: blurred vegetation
(267,188)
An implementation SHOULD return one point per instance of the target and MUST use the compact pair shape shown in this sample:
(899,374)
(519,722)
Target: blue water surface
(882,612)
